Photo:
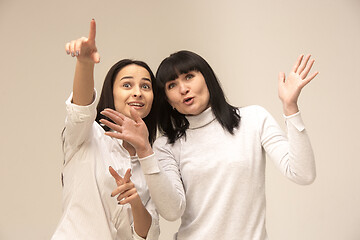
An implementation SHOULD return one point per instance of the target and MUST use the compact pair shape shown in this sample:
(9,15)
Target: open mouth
(136,104)
(188,100)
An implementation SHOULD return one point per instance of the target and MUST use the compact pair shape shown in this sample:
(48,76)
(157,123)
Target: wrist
(85,62)
(144,151)
(136,202)
(290,109)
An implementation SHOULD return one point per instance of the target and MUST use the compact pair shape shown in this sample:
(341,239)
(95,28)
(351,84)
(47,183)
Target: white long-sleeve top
(89,212)
(215,181)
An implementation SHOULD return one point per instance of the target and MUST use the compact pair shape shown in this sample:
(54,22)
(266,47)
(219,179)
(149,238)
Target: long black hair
(174,124)
(107,98)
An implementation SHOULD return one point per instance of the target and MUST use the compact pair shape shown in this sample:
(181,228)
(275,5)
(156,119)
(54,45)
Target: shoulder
(253,111)
(162,146)
(161,141)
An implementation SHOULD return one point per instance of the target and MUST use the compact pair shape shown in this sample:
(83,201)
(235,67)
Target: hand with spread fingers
(125,190)
(133,131)
(290,88)
(84,48)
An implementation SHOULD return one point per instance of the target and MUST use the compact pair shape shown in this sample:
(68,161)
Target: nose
(183,88)
(136,92)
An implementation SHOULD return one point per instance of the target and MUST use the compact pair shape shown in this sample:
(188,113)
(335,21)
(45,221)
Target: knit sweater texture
(215,181)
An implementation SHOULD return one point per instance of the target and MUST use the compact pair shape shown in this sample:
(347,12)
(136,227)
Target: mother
(209,167)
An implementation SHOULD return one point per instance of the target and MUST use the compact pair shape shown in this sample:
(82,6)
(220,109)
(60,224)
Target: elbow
(306,180)
(170,215)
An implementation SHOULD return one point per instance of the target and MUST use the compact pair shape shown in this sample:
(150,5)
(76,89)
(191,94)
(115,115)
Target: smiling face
(133,89)
(188,93)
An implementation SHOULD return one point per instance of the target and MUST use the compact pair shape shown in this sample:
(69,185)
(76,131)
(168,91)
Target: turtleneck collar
(201,119)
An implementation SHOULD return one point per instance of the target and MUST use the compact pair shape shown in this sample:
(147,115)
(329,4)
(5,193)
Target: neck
(129,148)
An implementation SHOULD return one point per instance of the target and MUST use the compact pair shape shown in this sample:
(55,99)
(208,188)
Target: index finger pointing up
(92,32)
(119,180)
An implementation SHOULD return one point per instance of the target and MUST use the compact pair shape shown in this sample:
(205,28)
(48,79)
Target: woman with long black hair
(209,166)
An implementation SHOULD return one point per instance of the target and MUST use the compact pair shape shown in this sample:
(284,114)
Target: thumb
(281,77)
(96,57)
(135,115)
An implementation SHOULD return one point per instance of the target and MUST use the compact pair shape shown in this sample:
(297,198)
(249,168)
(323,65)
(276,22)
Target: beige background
(246,43)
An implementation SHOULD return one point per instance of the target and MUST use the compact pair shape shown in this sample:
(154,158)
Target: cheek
(150,99)
(170,97)
(119,98)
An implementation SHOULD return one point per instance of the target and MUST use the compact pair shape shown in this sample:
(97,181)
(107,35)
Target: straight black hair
(107,98)
(174,124)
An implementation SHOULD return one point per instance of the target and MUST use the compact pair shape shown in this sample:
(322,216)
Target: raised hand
(125,188)
(133,131)
(290,88)
(84,48)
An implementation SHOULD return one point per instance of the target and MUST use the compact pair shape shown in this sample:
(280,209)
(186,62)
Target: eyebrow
(130,77)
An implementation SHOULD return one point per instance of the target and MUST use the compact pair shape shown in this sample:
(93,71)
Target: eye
(146,86)
(189,76)
(126,85)
(171,85)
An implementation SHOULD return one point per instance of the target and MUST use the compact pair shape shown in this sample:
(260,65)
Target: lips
(136,104)
(188,100)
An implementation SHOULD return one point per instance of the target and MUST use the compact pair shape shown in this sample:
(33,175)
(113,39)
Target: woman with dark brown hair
(95,164)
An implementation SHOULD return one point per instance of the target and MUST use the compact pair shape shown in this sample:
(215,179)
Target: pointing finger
(119,180)
(92,32)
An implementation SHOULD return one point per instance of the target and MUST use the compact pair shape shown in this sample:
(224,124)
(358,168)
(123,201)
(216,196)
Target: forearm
(83,87)
(142,218)
(301,156)
(166,189)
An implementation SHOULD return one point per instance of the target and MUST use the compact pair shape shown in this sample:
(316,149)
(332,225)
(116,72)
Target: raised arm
(84,49)
(292,154)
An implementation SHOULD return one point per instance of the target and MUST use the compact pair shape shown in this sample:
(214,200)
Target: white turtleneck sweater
(215,181)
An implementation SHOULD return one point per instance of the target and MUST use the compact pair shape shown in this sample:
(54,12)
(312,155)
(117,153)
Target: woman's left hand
(290,88)
(125,188)
(133,131)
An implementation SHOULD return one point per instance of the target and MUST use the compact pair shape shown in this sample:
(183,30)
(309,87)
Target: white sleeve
(163,177)
(78,126)
(293,154)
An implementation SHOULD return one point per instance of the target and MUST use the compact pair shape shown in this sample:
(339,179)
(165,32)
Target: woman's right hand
(132,130)
(84,48)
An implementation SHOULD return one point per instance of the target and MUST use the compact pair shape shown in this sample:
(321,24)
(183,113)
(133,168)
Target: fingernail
(77,53)
(72,54)
(67,52)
